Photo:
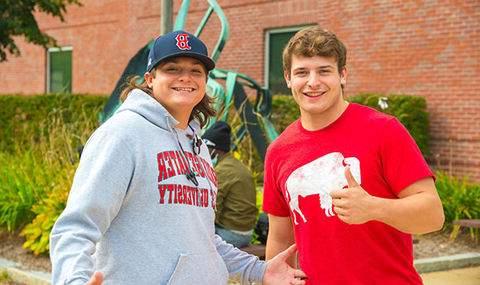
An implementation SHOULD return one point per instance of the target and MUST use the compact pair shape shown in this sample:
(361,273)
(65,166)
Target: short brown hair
(201,112)
(314,41)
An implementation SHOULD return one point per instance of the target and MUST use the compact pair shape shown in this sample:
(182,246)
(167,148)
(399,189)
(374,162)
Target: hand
(353,205)
(97,279)
(279,272)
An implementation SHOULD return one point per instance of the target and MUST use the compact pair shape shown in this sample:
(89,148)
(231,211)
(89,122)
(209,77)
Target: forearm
(72,245)
(280,237)
(239,263)
(275,246)
(415,214)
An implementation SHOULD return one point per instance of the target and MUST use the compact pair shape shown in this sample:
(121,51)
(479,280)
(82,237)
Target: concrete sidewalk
(446,270)
(464,276)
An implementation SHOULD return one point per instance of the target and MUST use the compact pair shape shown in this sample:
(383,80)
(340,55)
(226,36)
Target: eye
(198,72)
(170,68)
(325,71)
(300,73)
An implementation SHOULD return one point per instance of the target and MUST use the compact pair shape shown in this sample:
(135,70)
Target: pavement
(446,270)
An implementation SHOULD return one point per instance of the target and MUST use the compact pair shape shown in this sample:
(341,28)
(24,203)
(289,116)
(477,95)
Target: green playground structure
(255,118)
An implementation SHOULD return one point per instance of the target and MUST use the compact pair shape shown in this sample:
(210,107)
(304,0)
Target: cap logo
(182,42)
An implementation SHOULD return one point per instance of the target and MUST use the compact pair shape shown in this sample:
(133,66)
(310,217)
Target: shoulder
(369,116)
(230,171)
(287,137)
(232,165)
(120,129)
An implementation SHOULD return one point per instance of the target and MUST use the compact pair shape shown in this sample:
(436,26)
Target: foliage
(17,19)
(4,277)
(460,199)
(47,211)
(23,180)
(23,119)
(284,111)
(37,172)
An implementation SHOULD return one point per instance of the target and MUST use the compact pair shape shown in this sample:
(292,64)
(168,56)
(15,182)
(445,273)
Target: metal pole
(166,16)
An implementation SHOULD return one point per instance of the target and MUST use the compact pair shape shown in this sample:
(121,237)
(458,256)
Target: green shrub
(460,200)
(47,212)
(38,167)
(23,180)
(284,111)
(23,118)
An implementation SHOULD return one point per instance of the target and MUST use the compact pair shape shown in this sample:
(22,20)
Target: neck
(182,118)
(313,122)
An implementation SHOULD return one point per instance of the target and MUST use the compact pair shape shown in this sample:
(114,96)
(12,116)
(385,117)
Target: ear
(149,78)
(286,75)
(343,76)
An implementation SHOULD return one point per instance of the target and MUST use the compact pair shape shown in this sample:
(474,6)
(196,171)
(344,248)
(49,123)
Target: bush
(47,212)
(38,165)
(284,111)
(23,181)
(23,118)
(460,198)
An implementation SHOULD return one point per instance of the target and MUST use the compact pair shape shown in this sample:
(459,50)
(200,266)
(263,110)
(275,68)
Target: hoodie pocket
(199,269)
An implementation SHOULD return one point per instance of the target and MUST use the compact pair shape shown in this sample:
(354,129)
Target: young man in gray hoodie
(141,207)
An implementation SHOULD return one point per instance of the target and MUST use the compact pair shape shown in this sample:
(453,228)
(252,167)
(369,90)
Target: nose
(313,80)
(184,75)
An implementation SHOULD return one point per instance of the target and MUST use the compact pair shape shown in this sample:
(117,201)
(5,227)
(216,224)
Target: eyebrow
(319,67)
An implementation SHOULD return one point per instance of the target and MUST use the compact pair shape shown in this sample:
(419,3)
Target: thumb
(97,279)
(288,252)
(350,179)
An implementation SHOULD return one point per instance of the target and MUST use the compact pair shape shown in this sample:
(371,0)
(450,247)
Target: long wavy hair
(201,112)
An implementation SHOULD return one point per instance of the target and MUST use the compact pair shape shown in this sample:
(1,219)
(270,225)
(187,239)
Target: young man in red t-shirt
(346,183)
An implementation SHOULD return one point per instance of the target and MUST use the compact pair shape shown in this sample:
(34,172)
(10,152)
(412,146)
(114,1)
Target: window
(59,70)
(275,41)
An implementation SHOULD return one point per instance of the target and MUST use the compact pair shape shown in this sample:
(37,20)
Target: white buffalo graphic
(321,177)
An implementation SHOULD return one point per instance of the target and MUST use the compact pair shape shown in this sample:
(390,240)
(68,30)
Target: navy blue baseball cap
(175,44)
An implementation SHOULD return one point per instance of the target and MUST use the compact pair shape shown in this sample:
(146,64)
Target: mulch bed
(429,245)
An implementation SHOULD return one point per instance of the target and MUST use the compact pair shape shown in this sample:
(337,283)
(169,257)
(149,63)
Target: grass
(36,177)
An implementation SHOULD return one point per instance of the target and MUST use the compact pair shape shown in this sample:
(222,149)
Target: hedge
(23,117)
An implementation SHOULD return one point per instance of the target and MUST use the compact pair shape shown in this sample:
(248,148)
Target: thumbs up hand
(353,204)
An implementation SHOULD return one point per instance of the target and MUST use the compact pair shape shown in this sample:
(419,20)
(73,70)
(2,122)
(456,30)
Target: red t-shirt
(302,167)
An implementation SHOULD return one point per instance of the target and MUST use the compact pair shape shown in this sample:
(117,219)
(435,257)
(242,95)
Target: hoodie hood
(146,106)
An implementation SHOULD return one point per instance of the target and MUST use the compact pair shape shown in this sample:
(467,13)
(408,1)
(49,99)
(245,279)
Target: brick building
(426,48)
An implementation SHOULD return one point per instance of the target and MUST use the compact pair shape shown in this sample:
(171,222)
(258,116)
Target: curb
(29,277)
(424,265)
(443,263)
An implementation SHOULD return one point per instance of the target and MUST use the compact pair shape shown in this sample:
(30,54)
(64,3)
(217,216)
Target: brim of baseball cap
(207,62)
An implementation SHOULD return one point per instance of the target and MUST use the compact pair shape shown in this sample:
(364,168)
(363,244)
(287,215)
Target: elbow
(437,220)
(440,220)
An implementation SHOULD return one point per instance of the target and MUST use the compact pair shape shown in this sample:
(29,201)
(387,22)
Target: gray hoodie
(133,215)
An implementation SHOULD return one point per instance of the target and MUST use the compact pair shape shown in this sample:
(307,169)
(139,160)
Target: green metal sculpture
(255,117)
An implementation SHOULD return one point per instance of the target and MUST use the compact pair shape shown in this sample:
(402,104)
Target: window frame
(268,33)
(52,50)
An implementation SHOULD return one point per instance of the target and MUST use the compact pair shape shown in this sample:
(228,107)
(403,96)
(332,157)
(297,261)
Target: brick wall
(427,48)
